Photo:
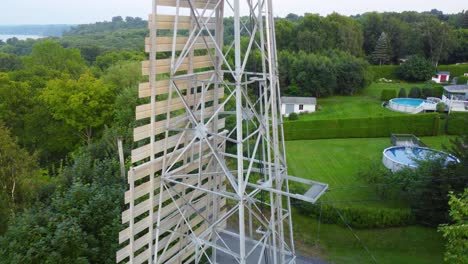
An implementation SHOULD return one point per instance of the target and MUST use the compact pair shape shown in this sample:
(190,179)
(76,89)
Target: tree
(80,226)
(437,37)
(352,73)
(426,188)
(464,22)
(52,55)
(402,93)
(85,104)
(382,53)
(123,74)
(10,62)
(456,233)
(416,68)
(17,170)
(373,26)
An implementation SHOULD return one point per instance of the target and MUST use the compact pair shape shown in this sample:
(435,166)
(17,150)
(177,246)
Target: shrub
(402,93)
(420,125)
(462,80)
(440,107)
(387,94)
(415,92)
(427,92)
(359,217)
(438,91)
(293,117)
(416,69)
(457,123)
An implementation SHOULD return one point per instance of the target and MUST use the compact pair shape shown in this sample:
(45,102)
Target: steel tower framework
(211,147)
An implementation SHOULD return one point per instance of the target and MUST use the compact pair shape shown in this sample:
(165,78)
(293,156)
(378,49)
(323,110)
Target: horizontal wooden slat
(167,22)
(164,65)
(143,170)
(161,107)
(162,87)
(144,152)
(163,45)
(185,3)
(143,132)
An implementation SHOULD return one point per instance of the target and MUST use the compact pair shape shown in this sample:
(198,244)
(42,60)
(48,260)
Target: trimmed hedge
(457,123)
(385,71)
(455,70)
(388,94)
(359,217)
(420,125)
(390,71)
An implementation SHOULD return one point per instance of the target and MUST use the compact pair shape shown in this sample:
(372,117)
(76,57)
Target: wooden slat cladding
(172,38)
(162,86)
(164,66)
(165,47)
(167,22)
(161,107)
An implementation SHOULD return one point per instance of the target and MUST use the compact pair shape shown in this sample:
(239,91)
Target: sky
(21,12)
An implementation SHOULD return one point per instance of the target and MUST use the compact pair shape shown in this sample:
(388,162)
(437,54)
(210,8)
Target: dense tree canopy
(84,104)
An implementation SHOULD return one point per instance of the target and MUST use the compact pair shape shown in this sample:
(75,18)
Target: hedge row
(457,123)
(385,71)
(419,125)
(455,70)
(390,71)
(359,217)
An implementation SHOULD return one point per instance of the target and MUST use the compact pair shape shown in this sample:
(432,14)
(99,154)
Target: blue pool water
(410,156)
(408,101)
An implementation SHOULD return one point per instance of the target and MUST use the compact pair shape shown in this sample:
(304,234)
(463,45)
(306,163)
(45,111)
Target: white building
(297,105)
(456,97)
(441,77)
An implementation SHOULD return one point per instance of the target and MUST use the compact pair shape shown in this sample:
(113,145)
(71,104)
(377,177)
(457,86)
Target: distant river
(20,37)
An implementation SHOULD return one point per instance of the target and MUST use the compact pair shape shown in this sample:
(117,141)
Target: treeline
(434,35)
(38,30)
(92,40)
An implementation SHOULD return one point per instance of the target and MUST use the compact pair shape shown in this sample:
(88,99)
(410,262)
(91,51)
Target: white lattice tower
(209,182)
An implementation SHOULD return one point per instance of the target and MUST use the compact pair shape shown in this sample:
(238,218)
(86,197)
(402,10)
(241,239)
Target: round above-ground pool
(397,158)
(410,105)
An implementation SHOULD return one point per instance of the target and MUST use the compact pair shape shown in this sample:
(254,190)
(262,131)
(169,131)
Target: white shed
(441,77)
(297,105)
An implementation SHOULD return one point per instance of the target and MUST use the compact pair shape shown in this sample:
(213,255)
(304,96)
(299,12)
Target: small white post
(121,157)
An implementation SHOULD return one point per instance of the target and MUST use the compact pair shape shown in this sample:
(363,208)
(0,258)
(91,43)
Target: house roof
(456,88)
(299,100)
(444,73)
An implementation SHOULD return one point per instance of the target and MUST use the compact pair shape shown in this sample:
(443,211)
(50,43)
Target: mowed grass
(375,89)
(338,161)
(412,244)
(342,107)
(365,104)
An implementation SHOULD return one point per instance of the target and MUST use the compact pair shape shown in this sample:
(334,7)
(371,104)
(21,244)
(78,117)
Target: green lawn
(365,104)
(336,162)
(340,107)
(375,89)
(413,244)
